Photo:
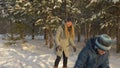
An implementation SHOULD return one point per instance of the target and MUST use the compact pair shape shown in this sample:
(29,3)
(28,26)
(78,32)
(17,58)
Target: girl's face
(69,26)
(101,52)
(69,23)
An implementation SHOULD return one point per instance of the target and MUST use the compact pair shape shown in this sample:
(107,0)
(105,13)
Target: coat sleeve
(82,58)
(57,37)
(71,42)
(105,64)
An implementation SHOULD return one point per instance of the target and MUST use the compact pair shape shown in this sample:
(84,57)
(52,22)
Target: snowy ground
(39,55)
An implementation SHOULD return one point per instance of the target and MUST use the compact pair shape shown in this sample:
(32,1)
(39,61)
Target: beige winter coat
(62,41)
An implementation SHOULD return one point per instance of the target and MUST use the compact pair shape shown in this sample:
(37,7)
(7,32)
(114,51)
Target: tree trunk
(11,29)
(33,30)
(46,36)
(89,30)
(22,36)
(63,9)
(51,38)
(78,34)
(118,35)
(85,32)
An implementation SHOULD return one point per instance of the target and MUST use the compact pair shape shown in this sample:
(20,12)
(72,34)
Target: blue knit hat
(104,42)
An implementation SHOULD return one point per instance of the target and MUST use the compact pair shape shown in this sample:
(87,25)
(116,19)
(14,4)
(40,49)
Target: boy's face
(101,52)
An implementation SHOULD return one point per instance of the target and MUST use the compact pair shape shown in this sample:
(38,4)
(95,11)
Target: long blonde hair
(71,33)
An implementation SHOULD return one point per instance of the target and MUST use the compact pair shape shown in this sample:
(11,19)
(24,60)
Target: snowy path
(39,56)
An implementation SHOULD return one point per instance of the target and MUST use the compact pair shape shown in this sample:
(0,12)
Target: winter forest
(28,29)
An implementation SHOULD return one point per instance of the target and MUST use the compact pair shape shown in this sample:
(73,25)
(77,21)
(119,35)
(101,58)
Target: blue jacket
(89,58)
